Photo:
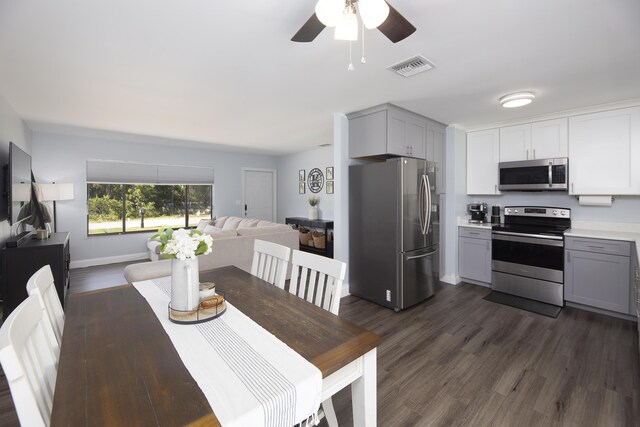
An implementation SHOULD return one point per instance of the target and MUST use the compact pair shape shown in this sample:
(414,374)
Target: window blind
(115,172)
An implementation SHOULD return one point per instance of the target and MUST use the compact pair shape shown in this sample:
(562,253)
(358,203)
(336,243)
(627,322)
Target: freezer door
(412,173)
(419,274)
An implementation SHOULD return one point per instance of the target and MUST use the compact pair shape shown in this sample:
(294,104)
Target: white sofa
(233,239)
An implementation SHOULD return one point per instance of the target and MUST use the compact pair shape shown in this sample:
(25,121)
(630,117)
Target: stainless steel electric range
(528,253)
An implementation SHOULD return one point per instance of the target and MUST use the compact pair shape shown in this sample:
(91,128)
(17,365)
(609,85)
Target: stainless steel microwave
(534,175)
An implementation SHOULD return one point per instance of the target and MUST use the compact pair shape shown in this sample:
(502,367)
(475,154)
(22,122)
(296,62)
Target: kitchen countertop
(627,236)
(464,222)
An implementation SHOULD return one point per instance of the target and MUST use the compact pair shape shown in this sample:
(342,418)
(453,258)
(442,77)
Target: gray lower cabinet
(474,254)
(594,276)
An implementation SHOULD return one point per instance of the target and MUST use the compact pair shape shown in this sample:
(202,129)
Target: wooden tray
(193,317)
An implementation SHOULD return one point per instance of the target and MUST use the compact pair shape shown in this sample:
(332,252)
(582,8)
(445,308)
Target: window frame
(124,208)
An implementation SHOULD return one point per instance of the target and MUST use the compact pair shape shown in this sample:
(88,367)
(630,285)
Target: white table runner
(249,376)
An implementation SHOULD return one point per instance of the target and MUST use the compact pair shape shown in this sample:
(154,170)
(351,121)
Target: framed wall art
(330,173)
(329,187)
(301,187)
(301,175)
(315,180)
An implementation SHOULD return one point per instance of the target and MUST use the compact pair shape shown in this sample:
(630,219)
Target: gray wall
(290,202)
(12,129)
(62,158)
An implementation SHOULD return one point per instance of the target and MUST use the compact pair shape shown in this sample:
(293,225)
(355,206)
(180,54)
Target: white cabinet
(474,254)
(387,130)
(604,153)
(550,139)
(483,156)
(435,150)
(515,143)
(540,140)
(597,273)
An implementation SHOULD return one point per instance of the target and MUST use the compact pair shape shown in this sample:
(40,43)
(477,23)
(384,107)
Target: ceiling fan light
(517,99)
(329,11)
(373,12)
(347,28)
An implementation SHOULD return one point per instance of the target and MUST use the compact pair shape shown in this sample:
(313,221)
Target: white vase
(185,284)
(313,212)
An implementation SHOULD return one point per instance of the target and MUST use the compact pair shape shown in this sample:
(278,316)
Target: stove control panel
(537,211)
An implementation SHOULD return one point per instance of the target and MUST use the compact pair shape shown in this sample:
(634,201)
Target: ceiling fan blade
(396,27)
(309,30)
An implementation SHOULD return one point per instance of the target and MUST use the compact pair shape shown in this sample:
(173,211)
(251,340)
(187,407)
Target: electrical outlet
(388,295)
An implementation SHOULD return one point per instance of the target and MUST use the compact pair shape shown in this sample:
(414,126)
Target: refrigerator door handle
(421,256)
(421,203)
(428,204)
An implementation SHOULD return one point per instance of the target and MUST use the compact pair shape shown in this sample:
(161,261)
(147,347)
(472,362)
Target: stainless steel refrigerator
(394,229)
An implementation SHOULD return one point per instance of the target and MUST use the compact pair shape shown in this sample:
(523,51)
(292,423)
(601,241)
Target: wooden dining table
(118,366)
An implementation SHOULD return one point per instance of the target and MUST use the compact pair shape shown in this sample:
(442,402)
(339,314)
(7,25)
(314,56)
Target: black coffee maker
(478,212)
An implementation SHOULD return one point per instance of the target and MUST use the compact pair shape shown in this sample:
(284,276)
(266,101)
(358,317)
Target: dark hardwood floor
(457,360)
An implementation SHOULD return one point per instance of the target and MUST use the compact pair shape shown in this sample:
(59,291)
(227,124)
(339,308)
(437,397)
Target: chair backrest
(27,357)
(317,279)
(270,262)
(41,284)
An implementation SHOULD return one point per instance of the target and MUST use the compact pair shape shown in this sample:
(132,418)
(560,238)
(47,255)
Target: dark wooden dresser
(19,264)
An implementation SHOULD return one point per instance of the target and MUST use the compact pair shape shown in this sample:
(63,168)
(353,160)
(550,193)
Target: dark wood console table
(315,224)
(19,264)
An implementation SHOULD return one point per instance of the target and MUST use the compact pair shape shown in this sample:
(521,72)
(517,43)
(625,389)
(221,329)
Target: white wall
(12,129)
(62,158)
(290,202)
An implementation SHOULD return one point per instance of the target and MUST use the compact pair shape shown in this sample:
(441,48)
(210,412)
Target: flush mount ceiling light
(517,99)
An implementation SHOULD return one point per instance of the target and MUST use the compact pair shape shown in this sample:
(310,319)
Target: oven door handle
(527,238)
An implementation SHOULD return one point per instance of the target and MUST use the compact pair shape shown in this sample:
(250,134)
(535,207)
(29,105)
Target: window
(145,207)
(125,197)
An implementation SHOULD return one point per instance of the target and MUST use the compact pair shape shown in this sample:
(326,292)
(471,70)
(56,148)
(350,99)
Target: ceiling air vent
(414,65)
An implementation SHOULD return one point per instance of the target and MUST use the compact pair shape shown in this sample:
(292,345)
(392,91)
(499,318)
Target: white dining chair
(27,357)
(42,285)
(319,279)
(270,262)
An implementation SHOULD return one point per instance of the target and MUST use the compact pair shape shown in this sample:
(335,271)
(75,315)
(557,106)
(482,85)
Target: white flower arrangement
(183,244)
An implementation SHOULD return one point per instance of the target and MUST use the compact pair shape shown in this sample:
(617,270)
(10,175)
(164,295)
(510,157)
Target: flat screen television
(18,181)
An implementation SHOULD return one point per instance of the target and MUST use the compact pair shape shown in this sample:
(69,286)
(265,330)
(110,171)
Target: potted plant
(183,247)
(313,209)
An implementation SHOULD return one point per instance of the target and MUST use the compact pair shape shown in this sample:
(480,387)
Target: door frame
(274,173)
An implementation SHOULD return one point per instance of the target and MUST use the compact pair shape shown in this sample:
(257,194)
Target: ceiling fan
(342,14)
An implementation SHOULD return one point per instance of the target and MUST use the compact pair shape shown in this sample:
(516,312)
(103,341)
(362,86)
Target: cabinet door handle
(572,188)
(568,257)
(595,247)
(488,248)
(534,153)
(527,154)
(495,188)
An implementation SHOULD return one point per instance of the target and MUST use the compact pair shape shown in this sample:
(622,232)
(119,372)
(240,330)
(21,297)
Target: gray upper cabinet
(594,276)
(387,130)
(435,151)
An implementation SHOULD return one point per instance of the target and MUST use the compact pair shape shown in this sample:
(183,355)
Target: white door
(259,192)
(515,143)
(483,156)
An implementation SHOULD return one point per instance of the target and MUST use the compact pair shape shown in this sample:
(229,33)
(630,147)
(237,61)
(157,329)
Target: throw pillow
(231,223)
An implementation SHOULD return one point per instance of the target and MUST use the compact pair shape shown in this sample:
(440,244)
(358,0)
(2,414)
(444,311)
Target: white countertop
(604,234)
(463,221)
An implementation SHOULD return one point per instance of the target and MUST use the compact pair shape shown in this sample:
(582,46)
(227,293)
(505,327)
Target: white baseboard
(475,282)
(345,290)
(452,279)
(82,263)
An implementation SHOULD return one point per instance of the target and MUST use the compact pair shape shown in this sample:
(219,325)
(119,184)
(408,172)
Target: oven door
(528,255)
(543,174)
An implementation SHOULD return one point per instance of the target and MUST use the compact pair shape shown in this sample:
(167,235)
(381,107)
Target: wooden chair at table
(318,280)
(270,262)
(42,285)
(27,347)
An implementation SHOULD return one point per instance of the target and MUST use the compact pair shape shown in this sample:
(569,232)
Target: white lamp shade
(347,28)
(329,11)
(56,192)
(21,192)
(373,12)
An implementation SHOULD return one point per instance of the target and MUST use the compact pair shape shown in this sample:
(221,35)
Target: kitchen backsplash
(624,208)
